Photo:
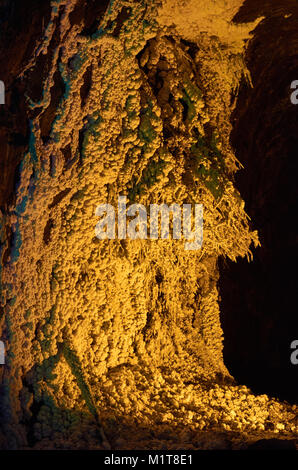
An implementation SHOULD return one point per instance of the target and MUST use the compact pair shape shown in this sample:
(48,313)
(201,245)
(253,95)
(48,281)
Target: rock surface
(118,342)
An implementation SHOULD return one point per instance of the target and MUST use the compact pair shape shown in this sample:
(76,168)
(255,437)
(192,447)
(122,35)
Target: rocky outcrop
(118,342)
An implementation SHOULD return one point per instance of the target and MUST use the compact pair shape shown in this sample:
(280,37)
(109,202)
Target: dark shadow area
(259,299)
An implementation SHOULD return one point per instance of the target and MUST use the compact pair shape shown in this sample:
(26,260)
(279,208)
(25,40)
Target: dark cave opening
(258,299)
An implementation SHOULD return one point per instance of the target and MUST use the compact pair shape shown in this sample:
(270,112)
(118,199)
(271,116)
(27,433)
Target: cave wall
(107,339)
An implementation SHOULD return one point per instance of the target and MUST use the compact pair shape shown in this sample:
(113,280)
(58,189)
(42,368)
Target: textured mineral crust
(118,342)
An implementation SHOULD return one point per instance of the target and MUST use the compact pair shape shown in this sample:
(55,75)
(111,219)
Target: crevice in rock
(47,231)
(58,198)
(47,119)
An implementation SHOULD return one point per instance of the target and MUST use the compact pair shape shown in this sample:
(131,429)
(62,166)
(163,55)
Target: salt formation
(118,342)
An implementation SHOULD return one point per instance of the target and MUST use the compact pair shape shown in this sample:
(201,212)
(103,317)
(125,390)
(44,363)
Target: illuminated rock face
(125,335)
